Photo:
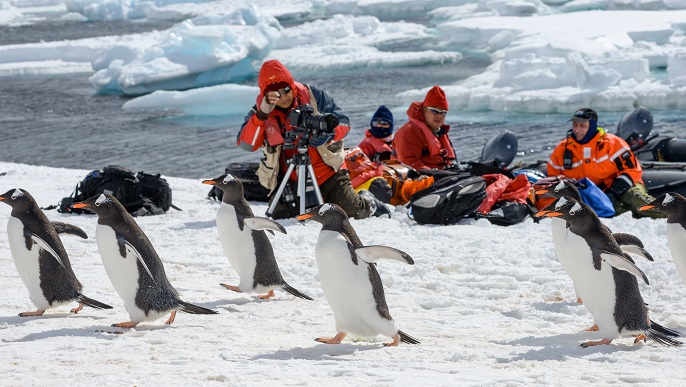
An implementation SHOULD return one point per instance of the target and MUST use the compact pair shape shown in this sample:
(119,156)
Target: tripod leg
(315,183)
(279,192)
(302,186)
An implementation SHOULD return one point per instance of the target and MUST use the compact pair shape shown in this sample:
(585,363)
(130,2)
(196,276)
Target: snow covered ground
(491,306)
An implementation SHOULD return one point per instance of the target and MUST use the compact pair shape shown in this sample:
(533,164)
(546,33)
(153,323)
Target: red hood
(415,111)
(273,71)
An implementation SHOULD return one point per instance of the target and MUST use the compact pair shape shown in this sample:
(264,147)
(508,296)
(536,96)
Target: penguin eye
(101,200)
(576,208)
(17,193)
(325,207)
(668,199)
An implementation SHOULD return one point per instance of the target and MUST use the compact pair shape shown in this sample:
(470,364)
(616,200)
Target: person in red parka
(423,142)
(265,127)
(376,143)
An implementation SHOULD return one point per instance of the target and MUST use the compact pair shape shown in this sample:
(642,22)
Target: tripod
(302,160)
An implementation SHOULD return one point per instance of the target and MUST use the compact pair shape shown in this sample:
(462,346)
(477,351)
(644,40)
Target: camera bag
(247,174)
(447,200)
(141,194)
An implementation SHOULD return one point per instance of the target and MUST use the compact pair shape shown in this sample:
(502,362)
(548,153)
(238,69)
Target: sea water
(59,121)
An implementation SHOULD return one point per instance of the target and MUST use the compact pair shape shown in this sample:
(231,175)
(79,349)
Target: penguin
(133,265)
(246,244)
(40,257)
(674,205)
(607,278)
(349,278)
(629,243)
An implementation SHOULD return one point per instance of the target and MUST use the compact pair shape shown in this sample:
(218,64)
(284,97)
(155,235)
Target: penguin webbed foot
(128,324)
(579,300)
(267,296)
(594,328)
(170,321)
(332,340)
(396,340)
(77,309)
(32,314)
(231,287)
(594,343)
(640,337)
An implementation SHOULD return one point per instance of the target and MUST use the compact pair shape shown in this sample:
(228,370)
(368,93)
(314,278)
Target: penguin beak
(2,198)
(541,213)
(304,216)
(541,192)
(550,214)
(646,207)
(209,182)
(79,205)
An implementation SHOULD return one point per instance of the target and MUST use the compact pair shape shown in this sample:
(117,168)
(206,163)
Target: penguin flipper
(631,244)
(91,302)
(258,223)
(45,246)
(66,228)
(621,263)
(405,338)
(130,249)
(194,309)
(371,254)
(291,290)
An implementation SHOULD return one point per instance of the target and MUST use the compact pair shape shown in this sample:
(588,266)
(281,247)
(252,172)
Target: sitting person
(423,142)
(607,160)
(265,127)
(376,143)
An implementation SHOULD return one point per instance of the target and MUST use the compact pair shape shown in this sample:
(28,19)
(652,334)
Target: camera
(304,117)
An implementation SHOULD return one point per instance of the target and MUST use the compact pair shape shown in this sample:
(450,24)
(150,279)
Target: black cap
(584,115)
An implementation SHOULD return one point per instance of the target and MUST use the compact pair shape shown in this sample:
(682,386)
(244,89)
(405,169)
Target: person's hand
(269,102)
(381,157)
(321,139)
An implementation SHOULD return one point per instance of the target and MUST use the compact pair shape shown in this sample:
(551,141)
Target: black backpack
(247,174)
(141,194)
(448,200)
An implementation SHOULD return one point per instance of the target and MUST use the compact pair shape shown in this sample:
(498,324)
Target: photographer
(269,124)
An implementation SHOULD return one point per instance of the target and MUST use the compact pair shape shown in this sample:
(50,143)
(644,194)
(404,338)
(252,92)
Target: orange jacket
(418,146)
(256,132)
(601,160)
(371,146)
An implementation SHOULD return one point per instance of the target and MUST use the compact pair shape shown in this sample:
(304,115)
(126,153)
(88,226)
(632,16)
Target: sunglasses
(437,112)
(283,91)
(381,122)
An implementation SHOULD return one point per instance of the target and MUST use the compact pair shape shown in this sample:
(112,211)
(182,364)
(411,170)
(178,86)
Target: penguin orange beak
(646,207)
(209,182)
(79,205)
(304,216)
(550,214)
(2,198)
(541,192)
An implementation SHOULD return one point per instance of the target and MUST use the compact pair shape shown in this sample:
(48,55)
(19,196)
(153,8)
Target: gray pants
(338,190)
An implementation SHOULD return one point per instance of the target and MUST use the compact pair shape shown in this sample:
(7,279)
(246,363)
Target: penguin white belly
(676,237)
(595,287)
(26,262)
(560,231)
(348,289)
(123,272)
(238,246)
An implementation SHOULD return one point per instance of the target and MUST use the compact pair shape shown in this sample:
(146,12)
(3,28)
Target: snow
(490,305)
(547,56)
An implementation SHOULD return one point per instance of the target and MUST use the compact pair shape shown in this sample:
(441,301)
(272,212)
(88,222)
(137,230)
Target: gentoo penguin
(628,243)
(607,278)
(674,205)
(40,257)
(352,286)
(246,244)
(133,265)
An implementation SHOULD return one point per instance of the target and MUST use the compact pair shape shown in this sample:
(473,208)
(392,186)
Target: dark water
(59,122)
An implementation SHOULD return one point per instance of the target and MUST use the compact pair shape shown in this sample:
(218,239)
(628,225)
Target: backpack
(247,174)
(448,200)
(141,194)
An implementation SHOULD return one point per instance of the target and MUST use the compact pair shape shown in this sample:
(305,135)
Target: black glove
(620,185)
(321,139)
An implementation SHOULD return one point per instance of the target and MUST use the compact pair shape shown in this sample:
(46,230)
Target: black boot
(377,207)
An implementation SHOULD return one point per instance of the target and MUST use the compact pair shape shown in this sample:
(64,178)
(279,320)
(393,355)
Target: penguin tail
(91,302)
(405,338)
(288,288)
(194,309)
(665,331)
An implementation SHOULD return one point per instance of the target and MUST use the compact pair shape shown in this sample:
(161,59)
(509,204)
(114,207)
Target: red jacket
(371,146)
(601,160)
(256,133)
(416,145)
